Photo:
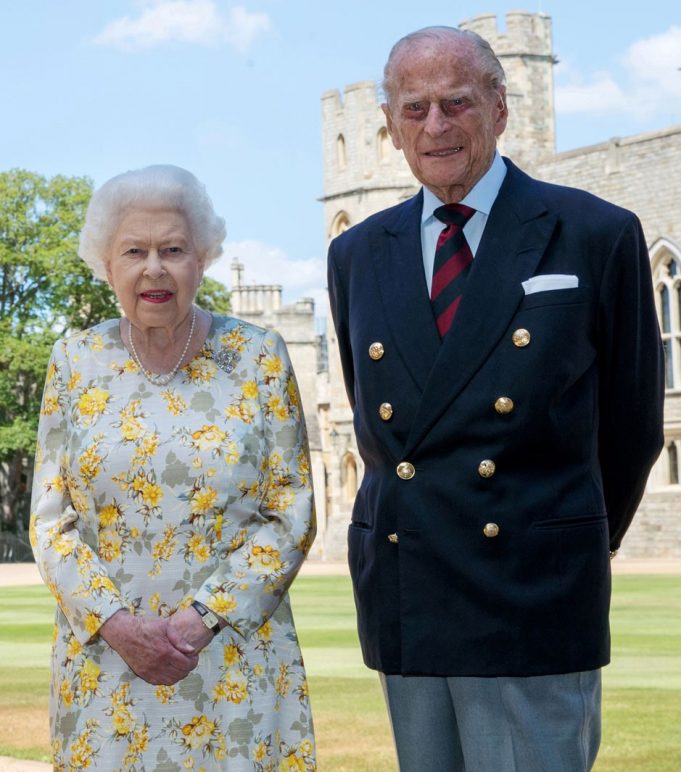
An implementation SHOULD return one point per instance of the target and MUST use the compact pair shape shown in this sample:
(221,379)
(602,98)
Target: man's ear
(394,135)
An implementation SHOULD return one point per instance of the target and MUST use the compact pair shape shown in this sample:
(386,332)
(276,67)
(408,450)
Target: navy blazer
(437,592)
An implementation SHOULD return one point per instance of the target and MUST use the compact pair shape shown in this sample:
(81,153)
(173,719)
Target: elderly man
(502,357)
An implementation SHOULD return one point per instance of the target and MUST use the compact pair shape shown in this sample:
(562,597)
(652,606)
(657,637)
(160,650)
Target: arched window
(667,279)
(383,145)
(673,457)
(340,152)
(341,222)
(349,477)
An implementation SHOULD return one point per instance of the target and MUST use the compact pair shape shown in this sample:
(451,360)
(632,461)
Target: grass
(642,688)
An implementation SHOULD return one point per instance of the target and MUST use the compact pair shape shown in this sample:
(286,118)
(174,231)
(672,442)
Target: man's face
(443,116)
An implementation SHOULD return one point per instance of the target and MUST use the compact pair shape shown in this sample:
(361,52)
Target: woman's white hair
(154,187)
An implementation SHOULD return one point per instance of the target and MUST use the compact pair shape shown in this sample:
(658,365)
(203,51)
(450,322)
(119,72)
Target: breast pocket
(559,297)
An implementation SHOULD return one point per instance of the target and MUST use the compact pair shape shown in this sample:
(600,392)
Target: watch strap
(208,617)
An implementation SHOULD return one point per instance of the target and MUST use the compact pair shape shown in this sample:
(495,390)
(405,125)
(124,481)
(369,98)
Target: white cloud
(185,21)
(650,81)
(266,264)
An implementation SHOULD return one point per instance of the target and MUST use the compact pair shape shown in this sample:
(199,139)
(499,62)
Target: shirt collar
(481,196)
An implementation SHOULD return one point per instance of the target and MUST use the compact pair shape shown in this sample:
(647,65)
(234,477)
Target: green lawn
(642,688)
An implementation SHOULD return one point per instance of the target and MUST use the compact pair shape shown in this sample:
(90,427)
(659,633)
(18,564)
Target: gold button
(393,538)
(521,338)
(487,468)
(376,350)
(504,405)
(405,470)
(491,530)
(385,411)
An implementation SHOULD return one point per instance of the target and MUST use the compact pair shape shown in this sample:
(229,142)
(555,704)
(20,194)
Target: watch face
(210,620)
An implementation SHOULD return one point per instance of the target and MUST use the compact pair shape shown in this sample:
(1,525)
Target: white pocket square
(550,281)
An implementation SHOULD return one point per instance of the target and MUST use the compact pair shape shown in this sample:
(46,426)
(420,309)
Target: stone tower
(526,53)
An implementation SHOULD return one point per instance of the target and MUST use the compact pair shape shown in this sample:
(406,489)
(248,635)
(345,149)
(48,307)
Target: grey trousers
(460,724)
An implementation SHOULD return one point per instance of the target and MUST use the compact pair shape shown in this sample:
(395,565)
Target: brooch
(226,359)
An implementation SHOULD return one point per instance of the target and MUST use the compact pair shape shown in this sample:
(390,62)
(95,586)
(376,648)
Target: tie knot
(454,214)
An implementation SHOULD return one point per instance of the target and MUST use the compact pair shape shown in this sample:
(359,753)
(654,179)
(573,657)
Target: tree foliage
(46,291)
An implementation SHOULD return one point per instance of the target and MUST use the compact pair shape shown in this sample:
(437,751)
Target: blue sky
(230,90)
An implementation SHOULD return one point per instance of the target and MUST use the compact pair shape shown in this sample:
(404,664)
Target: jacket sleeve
(341,317)
(631,368)
(253,577)
(71,569)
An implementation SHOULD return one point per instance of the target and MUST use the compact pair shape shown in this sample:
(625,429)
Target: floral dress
(147,497)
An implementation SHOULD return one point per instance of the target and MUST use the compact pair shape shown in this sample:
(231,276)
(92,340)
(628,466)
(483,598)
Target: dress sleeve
(253,578)
(71,569)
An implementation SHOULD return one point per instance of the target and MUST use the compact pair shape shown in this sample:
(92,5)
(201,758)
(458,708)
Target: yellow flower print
(197,462)
(306,748)
(51,372)
(155,601)
(277,408)
(234,690)
(50,403)
(163,550)
(231,655)
(92,403)
(265,558)
(292,763)
(198,547)
(273,366)
(203,500)
(62,544)
(261,751)
(223,603)
(283,683)
(74,648)
(65,692)
(82,751)
(264,632)
(200,370)
(92,623)
(137,745)
(110,543)
(208,437)
(164,694)
(175,404)
(292,392)
(100,583)
(79,500)
(123,720)
(198,732)
(74,380)
(234,339)
(96,342)
(151,494)
(250,390)
(108,515)
(131,429)
(258,670)
(90,673)
(91,462)
(134,533)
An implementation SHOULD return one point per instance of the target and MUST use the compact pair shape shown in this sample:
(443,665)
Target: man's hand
(146,647)
(186,627)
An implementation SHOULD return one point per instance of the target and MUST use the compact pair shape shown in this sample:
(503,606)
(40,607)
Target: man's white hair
(153,187)
(490,66)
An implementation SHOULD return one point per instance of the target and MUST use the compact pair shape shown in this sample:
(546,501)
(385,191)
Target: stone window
(667,280)
(341,222)
(349,477)
(340,152)
(383,145)
(673,458)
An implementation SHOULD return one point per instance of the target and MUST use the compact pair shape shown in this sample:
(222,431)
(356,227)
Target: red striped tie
(453,260)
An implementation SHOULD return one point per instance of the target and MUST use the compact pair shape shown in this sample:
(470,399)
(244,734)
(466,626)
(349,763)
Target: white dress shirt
(480,197)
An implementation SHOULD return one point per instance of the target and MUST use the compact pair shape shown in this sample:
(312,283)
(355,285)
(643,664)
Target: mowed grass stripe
(642,688)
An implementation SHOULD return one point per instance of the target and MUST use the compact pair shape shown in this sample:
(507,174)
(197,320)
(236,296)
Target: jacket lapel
(515,238)
(398,263)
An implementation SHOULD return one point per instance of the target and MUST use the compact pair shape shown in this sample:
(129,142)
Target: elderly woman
(172,508)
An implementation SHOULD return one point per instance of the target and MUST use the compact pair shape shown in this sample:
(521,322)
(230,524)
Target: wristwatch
(207,617)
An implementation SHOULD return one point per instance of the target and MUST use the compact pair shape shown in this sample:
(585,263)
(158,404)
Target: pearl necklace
(164,378)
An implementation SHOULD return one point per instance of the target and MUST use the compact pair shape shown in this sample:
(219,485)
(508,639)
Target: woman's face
(153,267)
